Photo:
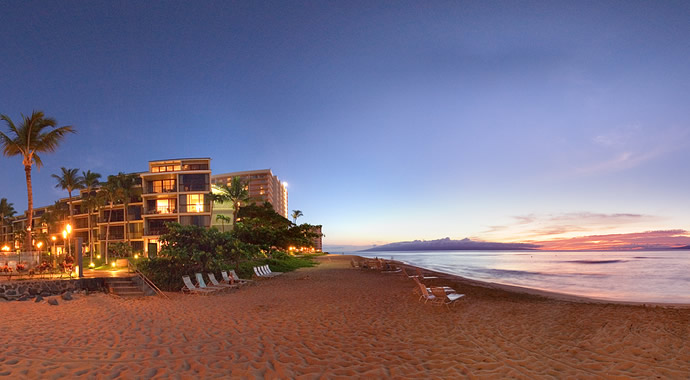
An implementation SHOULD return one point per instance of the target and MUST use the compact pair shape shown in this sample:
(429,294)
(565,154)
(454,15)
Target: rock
(38,298)
(11,292)
(53,302)
(67,296)
(24,297)
(46,294)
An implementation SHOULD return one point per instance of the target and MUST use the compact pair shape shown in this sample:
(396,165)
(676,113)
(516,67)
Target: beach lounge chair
(234,277)
(405,274)
(189,287)
(443,298)
(421,286)
(267,270)
(422,276)
(261,272)
(202,284)
(214,282)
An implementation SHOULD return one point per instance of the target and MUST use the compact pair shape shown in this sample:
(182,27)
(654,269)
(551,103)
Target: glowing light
(53,238)
(39,244)
(5,248)
(113,264)
(98,256)
(199,207)
(69,228)
(136,256)
(92,265)
(64,234)
(285,184)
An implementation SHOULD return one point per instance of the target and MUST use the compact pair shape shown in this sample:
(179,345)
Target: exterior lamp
(68,228)
(5,248)
(64,234)
(53,238)
(92,265)
(113,264)
(136,256)
(98,256)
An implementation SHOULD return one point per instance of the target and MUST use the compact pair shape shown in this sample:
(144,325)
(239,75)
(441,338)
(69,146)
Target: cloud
(662,239)
(628,147)
(538,227)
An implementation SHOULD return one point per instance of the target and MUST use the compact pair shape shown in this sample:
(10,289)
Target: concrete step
(123,287)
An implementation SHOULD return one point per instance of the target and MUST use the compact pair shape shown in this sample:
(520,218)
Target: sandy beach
(333,321)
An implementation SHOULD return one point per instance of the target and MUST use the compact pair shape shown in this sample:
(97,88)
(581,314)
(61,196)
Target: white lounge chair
(214,282)
(421,287)
(202,284)
(268,271)
(190,288)
(443,298)
(233,278)
(258,273)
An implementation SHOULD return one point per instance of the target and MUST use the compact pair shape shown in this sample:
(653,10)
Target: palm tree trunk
(71,221)
(30,207)
(126,223)
(107,231)
(88,223)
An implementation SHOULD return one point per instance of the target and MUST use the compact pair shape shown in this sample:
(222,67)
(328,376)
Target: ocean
(640,276)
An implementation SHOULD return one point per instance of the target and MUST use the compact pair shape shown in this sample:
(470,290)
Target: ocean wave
(597,261)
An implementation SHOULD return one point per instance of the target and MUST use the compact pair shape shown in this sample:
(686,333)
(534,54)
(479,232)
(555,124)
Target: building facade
(174,190)
(263,186)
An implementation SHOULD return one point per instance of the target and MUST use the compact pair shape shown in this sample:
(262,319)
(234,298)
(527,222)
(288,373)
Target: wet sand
(333,321)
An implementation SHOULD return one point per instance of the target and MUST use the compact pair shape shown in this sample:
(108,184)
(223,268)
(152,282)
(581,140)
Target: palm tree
(111,193)
(91,202)
(127,184)
(70,180)
(236,193)
(296,214)
(28,139)
(6,211)
(223,219)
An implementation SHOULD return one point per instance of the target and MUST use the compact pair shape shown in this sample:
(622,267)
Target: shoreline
(534,292)
(334,321)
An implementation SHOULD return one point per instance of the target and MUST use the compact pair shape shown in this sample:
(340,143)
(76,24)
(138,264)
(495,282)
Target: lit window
(195,203)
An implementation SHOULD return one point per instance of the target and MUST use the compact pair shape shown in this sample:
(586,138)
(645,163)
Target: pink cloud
(631,241)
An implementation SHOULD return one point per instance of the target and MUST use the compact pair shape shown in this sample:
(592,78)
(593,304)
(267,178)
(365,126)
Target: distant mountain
(451,245)
(686,247)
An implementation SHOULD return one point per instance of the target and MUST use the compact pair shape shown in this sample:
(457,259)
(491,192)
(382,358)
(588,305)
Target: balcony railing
(157,231)
(194,187)
(161,211)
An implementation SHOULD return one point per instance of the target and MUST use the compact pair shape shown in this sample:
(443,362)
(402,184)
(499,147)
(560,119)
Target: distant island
(451,245)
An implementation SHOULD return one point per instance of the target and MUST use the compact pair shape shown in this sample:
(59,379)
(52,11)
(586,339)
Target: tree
(236,193)
(6,211)
(91,201)
(111,194)
(70,180)
(296,214)
(27,140)
(128,189)
(223,219)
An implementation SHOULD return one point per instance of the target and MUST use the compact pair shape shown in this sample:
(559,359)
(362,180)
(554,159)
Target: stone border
(15,290)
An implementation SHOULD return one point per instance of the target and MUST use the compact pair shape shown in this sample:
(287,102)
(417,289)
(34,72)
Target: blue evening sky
(390,120)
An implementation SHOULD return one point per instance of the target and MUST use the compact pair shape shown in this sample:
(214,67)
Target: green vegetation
(27,140)
(261,236)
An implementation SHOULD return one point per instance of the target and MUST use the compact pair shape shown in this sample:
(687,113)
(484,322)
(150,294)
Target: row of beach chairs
(436,295)
(230,281)
(264,271)
(383,266)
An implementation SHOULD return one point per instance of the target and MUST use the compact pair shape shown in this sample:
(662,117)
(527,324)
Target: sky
(390,120)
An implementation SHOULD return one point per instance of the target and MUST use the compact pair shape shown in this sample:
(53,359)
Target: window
(165,206)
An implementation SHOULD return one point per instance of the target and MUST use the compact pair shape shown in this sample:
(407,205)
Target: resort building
(174,190)
(263,186)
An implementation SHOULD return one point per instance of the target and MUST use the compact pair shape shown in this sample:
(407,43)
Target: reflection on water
(654,276)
